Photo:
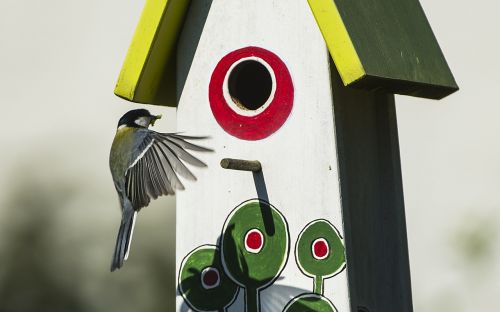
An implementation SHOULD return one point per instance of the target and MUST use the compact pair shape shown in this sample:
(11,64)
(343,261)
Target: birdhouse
(301,206)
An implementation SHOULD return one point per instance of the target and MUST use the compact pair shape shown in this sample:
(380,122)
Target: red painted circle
(320,249)
(254,241)
(210,278)
(266,122)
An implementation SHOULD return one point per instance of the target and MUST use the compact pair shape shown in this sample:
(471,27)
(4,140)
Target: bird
(144,165)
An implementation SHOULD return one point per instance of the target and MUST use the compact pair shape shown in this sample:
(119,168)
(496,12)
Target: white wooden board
(299,160)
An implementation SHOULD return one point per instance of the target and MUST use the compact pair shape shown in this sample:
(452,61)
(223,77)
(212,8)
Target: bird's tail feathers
(124,238)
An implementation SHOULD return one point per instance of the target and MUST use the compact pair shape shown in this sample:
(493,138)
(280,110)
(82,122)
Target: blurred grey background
(59,61)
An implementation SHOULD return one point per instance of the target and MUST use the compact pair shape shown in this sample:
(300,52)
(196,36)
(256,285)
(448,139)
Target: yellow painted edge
(161,59)
(337,40)
(139,49)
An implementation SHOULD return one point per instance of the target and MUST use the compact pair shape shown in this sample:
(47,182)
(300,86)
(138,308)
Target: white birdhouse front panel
(271,240)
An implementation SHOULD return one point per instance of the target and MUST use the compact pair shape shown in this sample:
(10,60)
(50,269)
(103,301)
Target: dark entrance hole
(250,85)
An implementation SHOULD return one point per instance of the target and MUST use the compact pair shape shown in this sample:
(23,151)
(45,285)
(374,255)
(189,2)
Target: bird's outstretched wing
(156,168)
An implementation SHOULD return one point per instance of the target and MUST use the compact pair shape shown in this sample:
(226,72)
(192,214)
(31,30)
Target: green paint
(255,270)
(324,268)
(255,266)
(191,287)
(310,303)
(397,47)
(252,300)
(326,264)
(318,285)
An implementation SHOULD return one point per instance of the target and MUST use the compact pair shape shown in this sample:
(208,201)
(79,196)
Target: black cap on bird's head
(138,118)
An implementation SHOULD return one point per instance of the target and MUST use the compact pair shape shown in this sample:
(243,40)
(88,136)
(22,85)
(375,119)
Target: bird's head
(138,118)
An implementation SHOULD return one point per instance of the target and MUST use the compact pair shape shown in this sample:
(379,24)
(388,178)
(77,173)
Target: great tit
(145,164)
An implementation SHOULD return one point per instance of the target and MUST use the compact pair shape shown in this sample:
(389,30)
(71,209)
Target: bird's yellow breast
(119,157)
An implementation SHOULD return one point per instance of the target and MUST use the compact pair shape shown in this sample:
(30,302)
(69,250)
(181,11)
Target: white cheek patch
(142,121)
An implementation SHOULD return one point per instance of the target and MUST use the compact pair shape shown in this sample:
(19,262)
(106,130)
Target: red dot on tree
(210,278)
(254,240)
(320,248)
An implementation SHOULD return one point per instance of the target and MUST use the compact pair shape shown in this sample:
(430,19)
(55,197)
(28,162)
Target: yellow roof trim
(151,50)
(337,39)
(366,46)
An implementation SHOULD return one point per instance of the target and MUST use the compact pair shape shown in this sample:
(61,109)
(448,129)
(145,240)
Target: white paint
(228,98)
(299,161)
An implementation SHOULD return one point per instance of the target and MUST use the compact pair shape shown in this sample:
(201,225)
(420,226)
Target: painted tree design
(320,254)
(203,283)
(255,247)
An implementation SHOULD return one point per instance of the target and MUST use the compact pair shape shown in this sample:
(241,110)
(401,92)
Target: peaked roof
(375,44)
(385,44)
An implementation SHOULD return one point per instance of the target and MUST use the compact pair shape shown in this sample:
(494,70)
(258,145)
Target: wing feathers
(159,163)
(185,137)
(144,198)
(182,154)
(162,175)
(149,183)
(152,184)
(177,165)
(183,144)
(169,170)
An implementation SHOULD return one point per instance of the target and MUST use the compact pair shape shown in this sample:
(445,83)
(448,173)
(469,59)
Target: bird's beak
(155,118)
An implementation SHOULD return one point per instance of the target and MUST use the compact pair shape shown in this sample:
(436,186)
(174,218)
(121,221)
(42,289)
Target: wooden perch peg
(241,164)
